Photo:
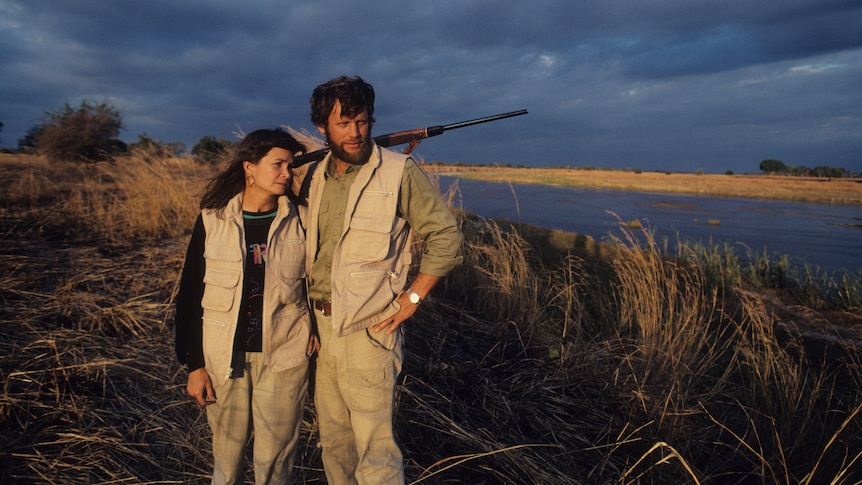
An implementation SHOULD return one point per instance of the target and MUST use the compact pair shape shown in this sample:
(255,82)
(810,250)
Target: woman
(242,324)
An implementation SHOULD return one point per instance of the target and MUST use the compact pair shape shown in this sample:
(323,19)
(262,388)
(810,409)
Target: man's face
(349,139)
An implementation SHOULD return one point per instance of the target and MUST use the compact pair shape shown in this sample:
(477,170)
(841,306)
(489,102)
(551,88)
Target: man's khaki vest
(371,260)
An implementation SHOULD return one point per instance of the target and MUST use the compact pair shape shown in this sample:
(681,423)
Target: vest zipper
(379,192)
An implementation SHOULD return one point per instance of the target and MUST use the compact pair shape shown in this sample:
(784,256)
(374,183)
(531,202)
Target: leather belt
(324,306)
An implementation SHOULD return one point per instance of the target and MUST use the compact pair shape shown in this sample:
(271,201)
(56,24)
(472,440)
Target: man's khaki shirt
(418,202)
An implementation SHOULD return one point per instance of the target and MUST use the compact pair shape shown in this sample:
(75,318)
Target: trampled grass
(546,358)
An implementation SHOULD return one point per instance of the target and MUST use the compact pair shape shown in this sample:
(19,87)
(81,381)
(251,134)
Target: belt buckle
(324,306)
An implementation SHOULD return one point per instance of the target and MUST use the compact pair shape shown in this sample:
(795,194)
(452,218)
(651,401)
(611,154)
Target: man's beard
(359,158)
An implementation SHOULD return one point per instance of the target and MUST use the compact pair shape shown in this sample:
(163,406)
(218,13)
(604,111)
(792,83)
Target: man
(364,202)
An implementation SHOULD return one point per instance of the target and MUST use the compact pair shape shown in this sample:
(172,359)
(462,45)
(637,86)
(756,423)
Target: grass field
(807,189)
(546,358)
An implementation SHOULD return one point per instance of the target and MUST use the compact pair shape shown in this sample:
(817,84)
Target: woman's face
(272,173)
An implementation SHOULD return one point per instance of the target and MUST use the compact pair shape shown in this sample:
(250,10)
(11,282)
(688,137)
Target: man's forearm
(424,283)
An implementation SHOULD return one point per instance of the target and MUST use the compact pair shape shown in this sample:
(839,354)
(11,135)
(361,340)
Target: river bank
(825,236)
(802,189)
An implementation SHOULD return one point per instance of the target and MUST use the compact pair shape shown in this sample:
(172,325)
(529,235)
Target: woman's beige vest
(286,319)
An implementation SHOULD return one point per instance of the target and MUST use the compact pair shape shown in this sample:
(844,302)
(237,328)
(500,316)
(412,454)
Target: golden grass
(546,358)
(682,344)
(139,197)
(807,189)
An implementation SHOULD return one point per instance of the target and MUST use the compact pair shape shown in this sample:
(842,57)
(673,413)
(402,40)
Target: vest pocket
(290,332)
(288,250)
(291,270)
(221,279)
(222,252)
(220,289)
(369,238)
(291,283)
(291,322)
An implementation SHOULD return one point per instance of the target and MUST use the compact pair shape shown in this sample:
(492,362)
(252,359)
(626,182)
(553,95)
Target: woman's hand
(200,387)
(313,345)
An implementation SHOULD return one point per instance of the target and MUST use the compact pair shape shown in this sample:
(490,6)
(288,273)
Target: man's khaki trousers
(354,397)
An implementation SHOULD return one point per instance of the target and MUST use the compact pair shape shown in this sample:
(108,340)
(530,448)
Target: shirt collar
(330,170)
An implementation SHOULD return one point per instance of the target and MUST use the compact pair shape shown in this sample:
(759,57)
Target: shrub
(157,148)
(83,134)
(773,166)
(210,150)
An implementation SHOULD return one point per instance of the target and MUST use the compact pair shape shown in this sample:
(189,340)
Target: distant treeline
(771,166)
(774,167)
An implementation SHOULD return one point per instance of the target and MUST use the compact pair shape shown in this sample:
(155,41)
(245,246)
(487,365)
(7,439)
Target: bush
(773,166)
(157,148)
(210,150)
(27,144)
(83,134)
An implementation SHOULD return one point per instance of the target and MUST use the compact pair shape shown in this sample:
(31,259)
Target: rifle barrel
(485,119)
(385,140)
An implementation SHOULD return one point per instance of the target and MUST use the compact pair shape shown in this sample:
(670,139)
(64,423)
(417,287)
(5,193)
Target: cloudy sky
(668,85)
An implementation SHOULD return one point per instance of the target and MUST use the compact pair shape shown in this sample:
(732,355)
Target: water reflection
(825,236)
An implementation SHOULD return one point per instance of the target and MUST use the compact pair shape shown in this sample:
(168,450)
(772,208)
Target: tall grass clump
(502,281)
(701,371)
(700,347)
(667,321)
(34,181)
(848,291)
(140,196)
(721,266)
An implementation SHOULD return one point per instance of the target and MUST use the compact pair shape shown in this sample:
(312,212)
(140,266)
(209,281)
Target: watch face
(414,297)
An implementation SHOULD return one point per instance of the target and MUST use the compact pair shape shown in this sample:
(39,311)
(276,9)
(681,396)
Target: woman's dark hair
(354,94)
(254,146)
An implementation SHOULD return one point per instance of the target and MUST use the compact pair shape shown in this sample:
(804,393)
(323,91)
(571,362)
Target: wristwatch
(413,297)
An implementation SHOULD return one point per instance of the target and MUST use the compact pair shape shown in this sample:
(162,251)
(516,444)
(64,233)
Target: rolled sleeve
(428,215)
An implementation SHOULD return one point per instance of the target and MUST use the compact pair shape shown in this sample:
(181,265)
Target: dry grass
(697,377)
(808,189)
(546,358)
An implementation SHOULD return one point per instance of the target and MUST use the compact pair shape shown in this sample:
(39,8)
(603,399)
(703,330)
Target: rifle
(413,137)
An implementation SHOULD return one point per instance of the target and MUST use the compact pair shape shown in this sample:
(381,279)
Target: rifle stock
(413,137)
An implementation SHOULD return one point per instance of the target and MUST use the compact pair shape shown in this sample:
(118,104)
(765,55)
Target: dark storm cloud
(658,84)
(738,36)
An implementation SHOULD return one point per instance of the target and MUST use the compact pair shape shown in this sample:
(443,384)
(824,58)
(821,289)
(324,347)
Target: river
(824,236)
